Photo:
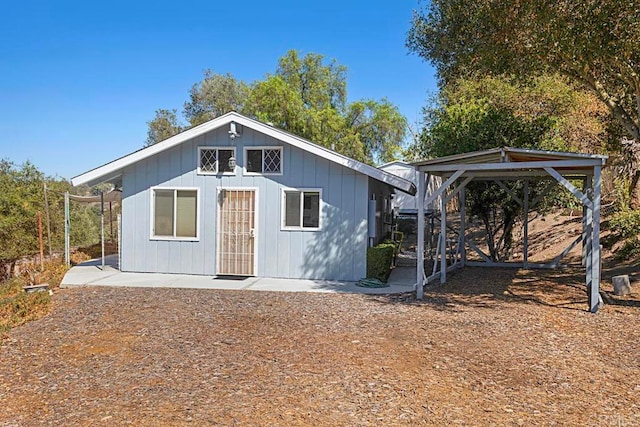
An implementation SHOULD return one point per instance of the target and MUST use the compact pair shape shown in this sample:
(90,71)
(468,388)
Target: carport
(505,164)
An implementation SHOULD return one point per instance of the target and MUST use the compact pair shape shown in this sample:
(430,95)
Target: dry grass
(18,307)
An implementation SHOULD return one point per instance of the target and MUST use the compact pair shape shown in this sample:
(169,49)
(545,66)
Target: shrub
(629,249)
(18,307)
(625,223)
(379,259)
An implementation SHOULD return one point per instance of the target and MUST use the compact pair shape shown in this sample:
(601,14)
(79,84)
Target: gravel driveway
(492,347)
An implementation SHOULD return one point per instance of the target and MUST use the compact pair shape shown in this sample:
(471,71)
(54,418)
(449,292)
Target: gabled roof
(514,159)
(395,163)
(115,168)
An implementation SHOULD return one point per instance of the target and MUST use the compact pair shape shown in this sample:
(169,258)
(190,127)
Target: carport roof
(500,160)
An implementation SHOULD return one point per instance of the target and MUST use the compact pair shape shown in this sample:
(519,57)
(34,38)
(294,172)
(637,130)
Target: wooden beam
(594,294)
(544,192)
(525,225)
(512,175)
(477,250)
(569,186)
(420,245)
(443,237)
(463,226)
(564,253)
(462,185)
(520,166)
(532,265)
(443,187)
(509,192)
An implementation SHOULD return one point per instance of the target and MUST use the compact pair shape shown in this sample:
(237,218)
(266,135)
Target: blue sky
(79,80)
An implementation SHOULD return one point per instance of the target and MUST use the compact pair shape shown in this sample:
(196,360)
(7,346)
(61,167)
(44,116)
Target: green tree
(479,114)
(164,125)
(307,96)
(595,43)
(214,96)
(20,198)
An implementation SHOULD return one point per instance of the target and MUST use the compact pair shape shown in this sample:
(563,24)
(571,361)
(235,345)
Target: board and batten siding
(336,251)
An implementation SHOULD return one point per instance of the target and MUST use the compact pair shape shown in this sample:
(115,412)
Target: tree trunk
(631,158)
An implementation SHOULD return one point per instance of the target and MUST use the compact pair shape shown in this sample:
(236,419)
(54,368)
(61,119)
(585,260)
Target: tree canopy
(307,96)
(595,43)
(21,197)
(482,113)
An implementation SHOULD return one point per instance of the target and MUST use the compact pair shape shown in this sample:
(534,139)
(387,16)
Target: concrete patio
(91,273)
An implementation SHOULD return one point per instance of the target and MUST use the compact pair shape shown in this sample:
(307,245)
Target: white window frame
(252,147)
(283,208)
(217,148)
(152,211)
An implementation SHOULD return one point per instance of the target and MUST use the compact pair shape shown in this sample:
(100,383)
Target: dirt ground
(491,347)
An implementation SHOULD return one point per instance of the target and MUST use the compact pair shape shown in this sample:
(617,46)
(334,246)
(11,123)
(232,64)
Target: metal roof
(515,160)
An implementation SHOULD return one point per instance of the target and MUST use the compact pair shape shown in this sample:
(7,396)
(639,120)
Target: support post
(67,255)
(589,238)
(443,238)
(594,294)
(463,226)
(48,218)
(420,245)
(525,243)
(584,226)
(102,226)
(39,217)
(119,240)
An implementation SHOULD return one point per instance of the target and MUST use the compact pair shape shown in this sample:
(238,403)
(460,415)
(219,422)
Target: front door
(236,232)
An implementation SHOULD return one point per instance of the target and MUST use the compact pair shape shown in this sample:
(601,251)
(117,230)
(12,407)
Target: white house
(235,196)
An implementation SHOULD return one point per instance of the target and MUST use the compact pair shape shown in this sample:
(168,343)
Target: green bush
(18,307)
(626,223)
(379,259)
(629,249)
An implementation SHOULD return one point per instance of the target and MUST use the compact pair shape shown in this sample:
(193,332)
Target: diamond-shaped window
(272,161)
(209,160)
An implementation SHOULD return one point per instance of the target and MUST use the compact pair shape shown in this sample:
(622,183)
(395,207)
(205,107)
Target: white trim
(152,212)
(283,190)
(256,222)
(217,148)
(95,176)
(262,147)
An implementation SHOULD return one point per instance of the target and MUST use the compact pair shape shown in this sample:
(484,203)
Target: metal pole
(67,256)
(420,246)
(39,216)
(46,213)
(102,226)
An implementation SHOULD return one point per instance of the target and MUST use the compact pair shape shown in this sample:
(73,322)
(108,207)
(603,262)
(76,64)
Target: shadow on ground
(491,288)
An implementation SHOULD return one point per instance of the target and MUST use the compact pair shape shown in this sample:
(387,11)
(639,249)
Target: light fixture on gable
(235,130)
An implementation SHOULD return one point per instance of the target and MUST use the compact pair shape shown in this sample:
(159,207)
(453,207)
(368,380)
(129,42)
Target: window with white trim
(215,160)
(174,213)
(263,160)
(301,209)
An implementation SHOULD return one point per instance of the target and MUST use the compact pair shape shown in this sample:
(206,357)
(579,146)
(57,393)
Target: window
(174,213)
(213,161)
(301,209)
(264,160)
